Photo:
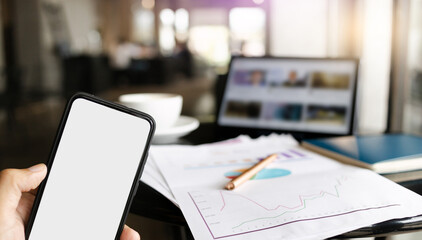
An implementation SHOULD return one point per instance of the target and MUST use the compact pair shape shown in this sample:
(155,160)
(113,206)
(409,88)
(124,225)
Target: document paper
(153,177)
(301,195)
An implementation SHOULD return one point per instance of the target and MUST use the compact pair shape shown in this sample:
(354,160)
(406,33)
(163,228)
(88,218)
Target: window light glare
(167,17)
(181,20)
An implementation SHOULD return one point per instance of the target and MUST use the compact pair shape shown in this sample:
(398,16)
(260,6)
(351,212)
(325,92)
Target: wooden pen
(248,174)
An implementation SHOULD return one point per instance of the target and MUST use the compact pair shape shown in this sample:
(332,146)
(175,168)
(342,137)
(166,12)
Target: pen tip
(230,186)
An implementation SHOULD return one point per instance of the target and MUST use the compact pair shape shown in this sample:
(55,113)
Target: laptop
(307,97)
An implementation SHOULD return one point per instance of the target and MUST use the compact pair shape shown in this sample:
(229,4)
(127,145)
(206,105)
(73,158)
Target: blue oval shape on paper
(272,173)
(263,174)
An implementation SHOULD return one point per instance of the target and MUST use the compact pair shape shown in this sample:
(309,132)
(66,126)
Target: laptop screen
(306,95)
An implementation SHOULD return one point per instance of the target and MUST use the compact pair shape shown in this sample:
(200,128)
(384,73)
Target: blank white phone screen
(92,174)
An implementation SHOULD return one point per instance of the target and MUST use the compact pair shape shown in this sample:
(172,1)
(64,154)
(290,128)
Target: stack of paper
(301,195)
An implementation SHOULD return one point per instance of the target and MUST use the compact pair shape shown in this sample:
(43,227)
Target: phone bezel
(57,139)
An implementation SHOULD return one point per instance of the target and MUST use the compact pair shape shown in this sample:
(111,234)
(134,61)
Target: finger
(25,205)
(15,181)
(35,175)
(33,191)
(129,234)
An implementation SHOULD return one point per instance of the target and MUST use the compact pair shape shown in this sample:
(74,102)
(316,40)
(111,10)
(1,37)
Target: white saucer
(183,126)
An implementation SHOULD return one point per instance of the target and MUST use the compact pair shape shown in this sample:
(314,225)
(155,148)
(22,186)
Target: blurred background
(50,49)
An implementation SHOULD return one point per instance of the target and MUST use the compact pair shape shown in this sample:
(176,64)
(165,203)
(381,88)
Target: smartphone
(93,171)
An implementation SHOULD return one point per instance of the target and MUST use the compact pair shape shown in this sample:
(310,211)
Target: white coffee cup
(165,108)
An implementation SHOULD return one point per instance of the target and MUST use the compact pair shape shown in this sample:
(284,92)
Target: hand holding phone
(16,198)
(93,171)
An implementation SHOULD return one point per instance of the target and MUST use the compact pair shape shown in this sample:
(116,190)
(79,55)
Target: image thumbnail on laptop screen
(312,95)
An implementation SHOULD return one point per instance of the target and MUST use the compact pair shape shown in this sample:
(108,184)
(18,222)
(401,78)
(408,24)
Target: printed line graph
(231,214)
(302,200)
(290,209)
(296,221)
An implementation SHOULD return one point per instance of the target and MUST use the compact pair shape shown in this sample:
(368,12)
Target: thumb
(33,176)
(13,182)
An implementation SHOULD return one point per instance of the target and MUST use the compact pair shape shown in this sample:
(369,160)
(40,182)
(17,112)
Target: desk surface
(151,204)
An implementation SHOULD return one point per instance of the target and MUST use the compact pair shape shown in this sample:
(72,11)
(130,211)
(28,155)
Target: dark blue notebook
(386,153)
